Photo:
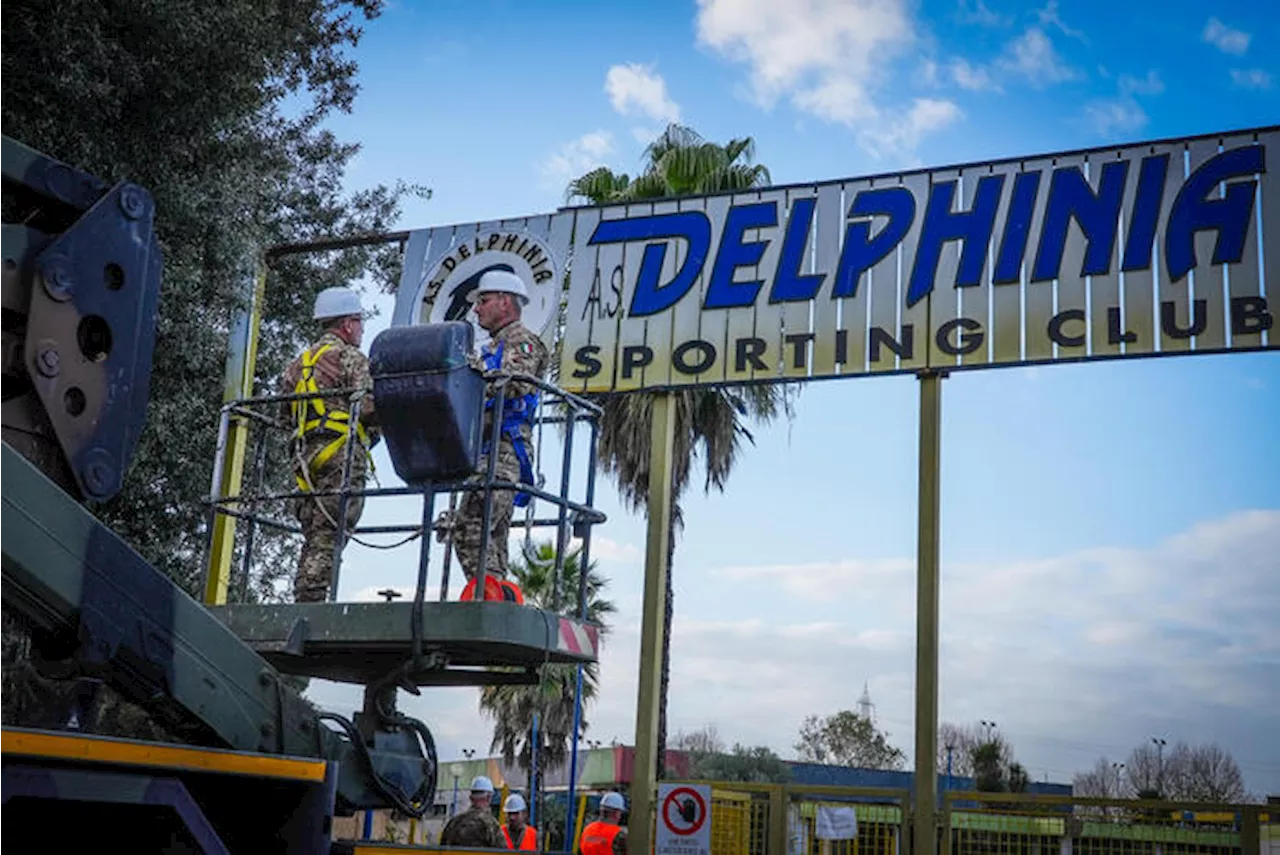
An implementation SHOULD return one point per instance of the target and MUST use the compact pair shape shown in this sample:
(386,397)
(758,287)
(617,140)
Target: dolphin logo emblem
(459,306)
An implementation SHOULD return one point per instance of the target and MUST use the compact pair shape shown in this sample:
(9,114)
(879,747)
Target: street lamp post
(1160,744)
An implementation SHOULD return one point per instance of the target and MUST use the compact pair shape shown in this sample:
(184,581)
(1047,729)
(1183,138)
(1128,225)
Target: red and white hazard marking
(578,638)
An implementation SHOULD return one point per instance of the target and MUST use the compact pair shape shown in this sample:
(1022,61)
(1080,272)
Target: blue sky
(1111,532)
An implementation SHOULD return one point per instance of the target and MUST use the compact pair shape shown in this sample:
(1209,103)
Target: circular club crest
(455,276)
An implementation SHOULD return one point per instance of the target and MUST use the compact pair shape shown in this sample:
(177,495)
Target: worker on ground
(606,836)
(497,302)
(321,431)
(518,833)
(476,826)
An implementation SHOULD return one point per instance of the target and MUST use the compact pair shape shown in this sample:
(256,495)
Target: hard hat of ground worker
(501,281)
(514,803)
(337,302)
(481,784)
(612,801)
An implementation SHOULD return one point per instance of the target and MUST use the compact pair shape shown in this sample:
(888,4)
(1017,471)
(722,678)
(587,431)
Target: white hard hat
(514,802)
(337,302)
(612,801)
(500,281)
(481,784)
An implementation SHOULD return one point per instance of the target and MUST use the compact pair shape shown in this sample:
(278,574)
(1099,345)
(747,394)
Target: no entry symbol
(684,811)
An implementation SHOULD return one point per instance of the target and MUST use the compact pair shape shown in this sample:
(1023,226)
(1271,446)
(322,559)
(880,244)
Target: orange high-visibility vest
(528,839)
(597,838)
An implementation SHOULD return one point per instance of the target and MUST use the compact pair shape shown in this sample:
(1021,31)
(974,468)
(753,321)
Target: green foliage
(216,109)
(993,773)
(847,739)
(513,708)
(710,423)
(753,765)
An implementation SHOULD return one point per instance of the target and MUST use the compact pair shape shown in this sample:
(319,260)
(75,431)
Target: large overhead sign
(1142,250)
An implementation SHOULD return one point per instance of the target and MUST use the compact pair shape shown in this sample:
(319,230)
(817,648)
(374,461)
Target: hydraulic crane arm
(81,286)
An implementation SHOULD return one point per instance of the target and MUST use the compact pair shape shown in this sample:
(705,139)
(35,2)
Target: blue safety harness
(515,411)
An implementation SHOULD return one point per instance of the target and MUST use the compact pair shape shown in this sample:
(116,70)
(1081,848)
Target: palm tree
(710,423)
(512,708)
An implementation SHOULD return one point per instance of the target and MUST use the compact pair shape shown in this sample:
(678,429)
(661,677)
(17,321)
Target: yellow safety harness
(311,415)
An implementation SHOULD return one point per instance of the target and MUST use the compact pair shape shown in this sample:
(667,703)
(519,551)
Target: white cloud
(1074,655)
(973,77)
(1149,85)
(1033,58)
(1049,17)
(1253,78)
(1123,114)
(636,88)
(981,14)
(577,157)
(1109,116)
(1226,39)
(828,57)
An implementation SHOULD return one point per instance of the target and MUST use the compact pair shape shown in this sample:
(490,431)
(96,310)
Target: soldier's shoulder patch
(525,347)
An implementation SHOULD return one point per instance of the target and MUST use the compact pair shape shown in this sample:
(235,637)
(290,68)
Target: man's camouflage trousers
(469,527)
(315,513)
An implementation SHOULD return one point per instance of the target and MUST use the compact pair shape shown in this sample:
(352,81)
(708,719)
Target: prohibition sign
(671,811)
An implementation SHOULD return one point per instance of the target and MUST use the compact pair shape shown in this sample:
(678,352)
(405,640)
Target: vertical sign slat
(1207,315)
(715,322)
(629,367)
(795,337)
(1173,304)
(657,333)
(741,322)
(611,267)
(1243,279)
(1007,259)
(975,300)
(944,296)
(829,224)
(768,314)
(686,316)
(587,305)
(1104,288)
(1069,335)
(878,296)
(1038,296)
(850,313)
(1138,332)
(916,317)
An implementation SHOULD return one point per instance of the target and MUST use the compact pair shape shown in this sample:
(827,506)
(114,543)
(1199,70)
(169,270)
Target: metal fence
(775,819)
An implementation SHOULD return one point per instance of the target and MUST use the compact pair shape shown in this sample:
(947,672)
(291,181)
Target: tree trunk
(664,681)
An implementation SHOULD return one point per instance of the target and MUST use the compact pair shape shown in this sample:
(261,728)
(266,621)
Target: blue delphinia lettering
(1097,214)
(862,252)
(1217,197)
(652,296)
(789,285)
(941,224)
(1146,213)
(722,291)
(1228,216)
(1017,228)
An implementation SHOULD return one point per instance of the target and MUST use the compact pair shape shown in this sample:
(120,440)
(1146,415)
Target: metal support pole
(925,836)
(584,564)
(242,356)
(644,781)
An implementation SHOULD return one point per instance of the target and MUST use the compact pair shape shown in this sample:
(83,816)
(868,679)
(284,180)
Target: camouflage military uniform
(473,827)
(341,366)
(524,353)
